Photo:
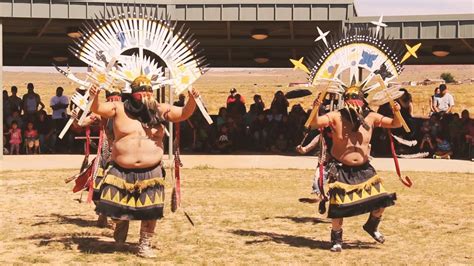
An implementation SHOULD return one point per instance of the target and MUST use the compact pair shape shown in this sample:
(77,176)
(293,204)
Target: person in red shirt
(32,139)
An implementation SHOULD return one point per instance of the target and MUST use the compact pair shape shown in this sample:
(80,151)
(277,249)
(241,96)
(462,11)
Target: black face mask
(139,111)
(356,117)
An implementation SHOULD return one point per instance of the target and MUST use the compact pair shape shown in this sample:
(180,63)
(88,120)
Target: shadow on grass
(298,241)
(85,243)
(67,219)
(301,220)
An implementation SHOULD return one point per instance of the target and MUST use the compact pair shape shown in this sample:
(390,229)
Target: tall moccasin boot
(121,231)
(371,227)
(336,240)
(102,221)
(144,245)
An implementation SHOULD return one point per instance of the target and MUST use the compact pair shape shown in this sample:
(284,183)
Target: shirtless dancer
(354,186)
(106,149)
(133,187)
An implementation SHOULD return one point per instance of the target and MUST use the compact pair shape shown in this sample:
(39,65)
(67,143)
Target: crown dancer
(356,67)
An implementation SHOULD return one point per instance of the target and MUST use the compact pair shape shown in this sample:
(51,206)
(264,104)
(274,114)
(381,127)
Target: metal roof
(34,31)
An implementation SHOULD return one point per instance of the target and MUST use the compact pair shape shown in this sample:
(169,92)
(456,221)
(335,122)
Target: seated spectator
(46,131)
(223,143)
(433,100)
(296,120)
(280,145)
(221,117)
(258,104)
(455,128)
(469,137)
(201,132)
(443,148)
(283,127)
(435,125)
(15,138)
(280,103)
(465,117)
(273,115)
(465,121)
(251,115)
(258,132)
(445,102)
(274,119)
(31,139)
(426,143)
(232,129)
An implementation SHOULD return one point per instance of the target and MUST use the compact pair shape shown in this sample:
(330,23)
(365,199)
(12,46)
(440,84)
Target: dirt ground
(241,217)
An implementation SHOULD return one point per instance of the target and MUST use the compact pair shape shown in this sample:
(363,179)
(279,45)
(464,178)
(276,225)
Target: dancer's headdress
(356,60)
(149,39)
(131,42)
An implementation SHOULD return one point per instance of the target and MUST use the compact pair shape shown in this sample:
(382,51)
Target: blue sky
(413,7)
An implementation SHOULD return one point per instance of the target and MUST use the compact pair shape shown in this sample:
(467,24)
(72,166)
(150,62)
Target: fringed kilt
(355,190)
(103,167)
(132,194)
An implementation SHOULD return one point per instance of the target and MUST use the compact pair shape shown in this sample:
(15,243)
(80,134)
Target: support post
(1,86)
(170,124)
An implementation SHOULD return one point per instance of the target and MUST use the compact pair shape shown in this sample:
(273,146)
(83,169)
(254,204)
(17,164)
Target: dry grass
(216,84)
(241,217)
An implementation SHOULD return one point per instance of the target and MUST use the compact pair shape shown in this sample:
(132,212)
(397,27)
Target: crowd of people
(275,128)
(260,129)
(443,135)
(28,129)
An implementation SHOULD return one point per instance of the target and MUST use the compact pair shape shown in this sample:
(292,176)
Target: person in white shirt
(59,104)
(445,102)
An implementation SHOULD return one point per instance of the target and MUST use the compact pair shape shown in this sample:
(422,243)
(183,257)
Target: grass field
(215,85)
(241,217)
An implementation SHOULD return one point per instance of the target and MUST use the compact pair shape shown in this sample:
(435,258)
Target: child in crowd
(280,145)
(224,144)
(31,139)
(435,125)
(15,138)
(258,131)
(426,143)
(443,148)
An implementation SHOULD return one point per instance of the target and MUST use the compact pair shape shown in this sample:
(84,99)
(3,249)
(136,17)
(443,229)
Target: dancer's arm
(305,149)
(89,120)
(387,122)
(178,114)
(106,110)
(321,121)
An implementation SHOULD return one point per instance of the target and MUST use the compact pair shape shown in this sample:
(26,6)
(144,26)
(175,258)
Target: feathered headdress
(150,40)
(352,51)
(357,61)
(129,42)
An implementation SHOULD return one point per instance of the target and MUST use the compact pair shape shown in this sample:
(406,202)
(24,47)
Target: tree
(448,78)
